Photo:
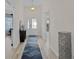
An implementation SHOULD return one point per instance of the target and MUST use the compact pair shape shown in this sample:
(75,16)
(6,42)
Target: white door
(32,26)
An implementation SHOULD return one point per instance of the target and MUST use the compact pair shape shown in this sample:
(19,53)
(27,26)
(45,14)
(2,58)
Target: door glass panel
(34,23)
(28,24)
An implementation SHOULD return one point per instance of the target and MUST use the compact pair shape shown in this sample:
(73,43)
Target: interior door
(32,26)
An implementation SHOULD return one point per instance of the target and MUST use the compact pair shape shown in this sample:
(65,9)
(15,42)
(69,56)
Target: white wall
(45,10)
(8,48)
(8,8)
(17,16)
(62,19)
(16,8)
(45,35)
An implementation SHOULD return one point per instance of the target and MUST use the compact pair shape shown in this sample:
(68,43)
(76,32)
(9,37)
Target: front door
(32,26)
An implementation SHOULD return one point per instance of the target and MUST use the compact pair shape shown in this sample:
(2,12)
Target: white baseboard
(55,54)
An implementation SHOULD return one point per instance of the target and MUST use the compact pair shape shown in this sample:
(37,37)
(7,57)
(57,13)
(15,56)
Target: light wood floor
(17,53)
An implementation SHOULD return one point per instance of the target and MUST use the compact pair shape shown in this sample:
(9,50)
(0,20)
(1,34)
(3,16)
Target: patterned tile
(64,45)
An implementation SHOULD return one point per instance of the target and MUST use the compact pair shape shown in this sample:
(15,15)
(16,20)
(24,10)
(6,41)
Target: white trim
(54,52)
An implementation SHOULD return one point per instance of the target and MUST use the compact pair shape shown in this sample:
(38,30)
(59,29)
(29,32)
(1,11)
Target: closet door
(64,45)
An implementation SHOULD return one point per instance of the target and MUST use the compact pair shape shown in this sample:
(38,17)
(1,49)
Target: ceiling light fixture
(32,8)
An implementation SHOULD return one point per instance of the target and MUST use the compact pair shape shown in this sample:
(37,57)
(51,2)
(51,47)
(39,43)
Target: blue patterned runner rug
(31,50)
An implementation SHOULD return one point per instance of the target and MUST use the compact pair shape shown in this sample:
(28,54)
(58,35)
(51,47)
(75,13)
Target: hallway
(39,29)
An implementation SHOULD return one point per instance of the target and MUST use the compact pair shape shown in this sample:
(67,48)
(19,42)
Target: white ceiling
(26,2)
(35,2)
(9,4)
